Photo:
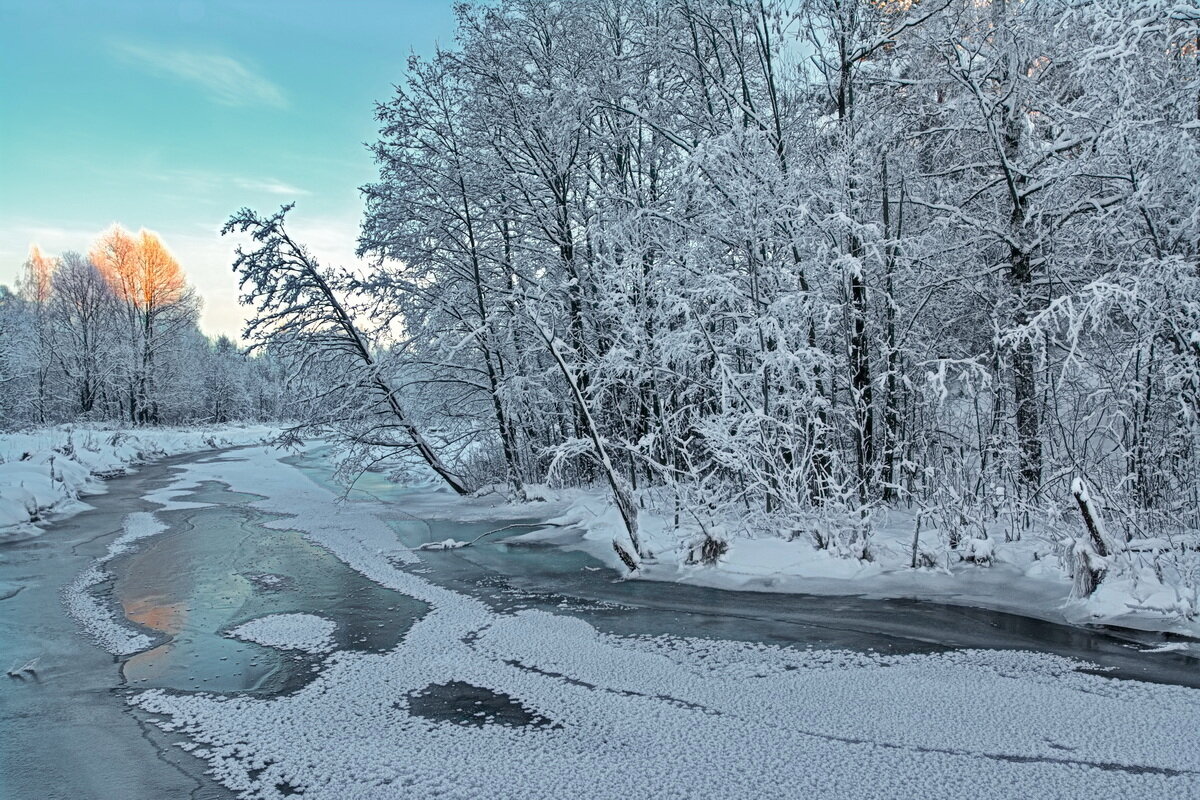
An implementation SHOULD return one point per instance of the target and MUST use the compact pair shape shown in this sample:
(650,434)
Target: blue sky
(172,114)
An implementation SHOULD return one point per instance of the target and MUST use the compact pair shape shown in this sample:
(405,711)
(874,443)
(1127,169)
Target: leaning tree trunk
(620,494)
(428,454)
(289,283)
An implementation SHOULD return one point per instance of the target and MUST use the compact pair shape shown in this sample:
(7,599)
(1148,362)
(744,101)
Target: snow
(663,716)
(136,526)
(306,632)
(99,618)
(1080,490)
(1023,577)
(45,471)
(60,465)
(979,551)
(446,544)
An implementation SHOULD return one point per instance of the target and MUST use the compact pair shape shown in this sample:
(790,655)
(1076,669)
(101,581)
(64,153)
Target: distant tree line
(112,335)
(781,264)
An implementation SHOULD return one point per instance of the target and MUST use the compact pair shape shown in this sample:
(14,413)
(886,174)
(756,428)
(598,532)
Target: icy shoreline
(44,472)
(673,706)
(1023,577)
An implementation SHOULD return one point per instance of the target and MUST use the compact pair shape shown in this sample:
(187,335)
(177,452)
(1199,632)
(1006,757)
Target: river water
(68,732)
(511,575)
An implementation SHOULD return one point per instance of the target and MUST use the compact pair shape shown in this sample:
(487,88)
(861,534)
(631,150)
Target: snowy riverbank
(1028,577)
(475,702)
(45,471)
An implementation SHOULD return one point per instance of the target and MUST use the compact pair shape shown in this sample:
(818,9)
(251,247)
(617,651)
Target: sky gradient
(171,115)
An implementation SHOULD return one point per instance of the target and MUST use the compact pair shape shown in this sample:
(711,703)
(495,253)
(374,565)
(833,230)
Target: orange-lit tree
(158,308)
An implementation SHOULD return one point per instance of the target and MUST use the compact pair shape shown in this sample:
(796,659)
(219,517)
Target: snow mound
(446,544)
(306,632)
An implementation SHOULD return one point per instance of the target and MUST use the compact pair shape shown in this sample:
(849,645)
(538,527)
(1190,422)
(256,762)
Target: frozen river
(517,669)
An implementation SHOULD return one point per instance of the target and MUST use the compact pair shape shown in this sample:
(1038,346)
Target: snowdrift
(46,471)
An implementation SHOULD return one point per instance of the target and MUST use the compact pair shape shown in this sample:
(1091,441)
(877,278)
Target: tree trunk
(1025,399)
(624,503)
(891,421)
(359,344)
(1089,559)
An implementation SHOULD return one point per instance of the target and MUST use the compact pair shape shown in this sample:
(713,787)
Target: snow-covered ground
(98,618)
(44,472)
(562,709)
(1027,576)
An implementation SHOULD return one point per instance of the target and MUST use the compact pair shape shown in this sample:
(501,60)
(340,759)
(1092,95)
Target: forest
(112,336)
(748,266)
(777,267)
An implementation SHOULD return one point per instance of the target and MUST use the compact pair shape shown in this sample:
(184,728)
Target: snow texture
(306,632)
(664,717)
(44,472)
(446,544)
(99,618)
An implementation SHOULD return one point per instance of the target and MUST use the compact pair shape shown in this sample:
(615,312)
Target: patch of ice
(306,632)
(138,525)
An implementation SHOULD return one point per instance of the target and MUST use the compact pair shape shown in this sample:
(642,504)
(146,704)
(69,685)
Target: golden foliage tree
(153,290)
(37,280)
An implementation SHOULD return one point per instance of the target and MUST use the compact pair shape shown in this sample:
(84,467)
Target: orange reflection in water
(154,614)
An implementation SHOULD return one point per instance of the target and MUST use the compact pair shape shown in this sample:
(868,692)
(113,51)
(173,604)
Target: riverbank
(44,472)
(1029,576)
(67,730)
(492,692)
(528,667)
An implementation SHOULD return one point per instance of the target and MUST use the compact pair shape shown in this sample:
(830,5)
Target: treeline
(113,336)
(781,264)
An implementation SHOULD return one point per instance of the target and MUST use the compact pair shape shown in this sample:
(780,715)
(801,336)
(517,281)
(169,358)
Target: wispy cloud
(199,182)
(270,186)
(224,79)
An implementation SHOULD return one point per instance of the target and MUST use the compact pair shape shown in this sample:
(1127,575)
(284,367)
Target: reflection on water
(156,614)
(218,567)
(69,733)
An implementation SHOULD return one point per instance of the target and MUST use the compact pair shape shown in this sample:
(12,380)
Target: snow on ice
(306,632)
(52,469)
(665,716)
(98,617)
